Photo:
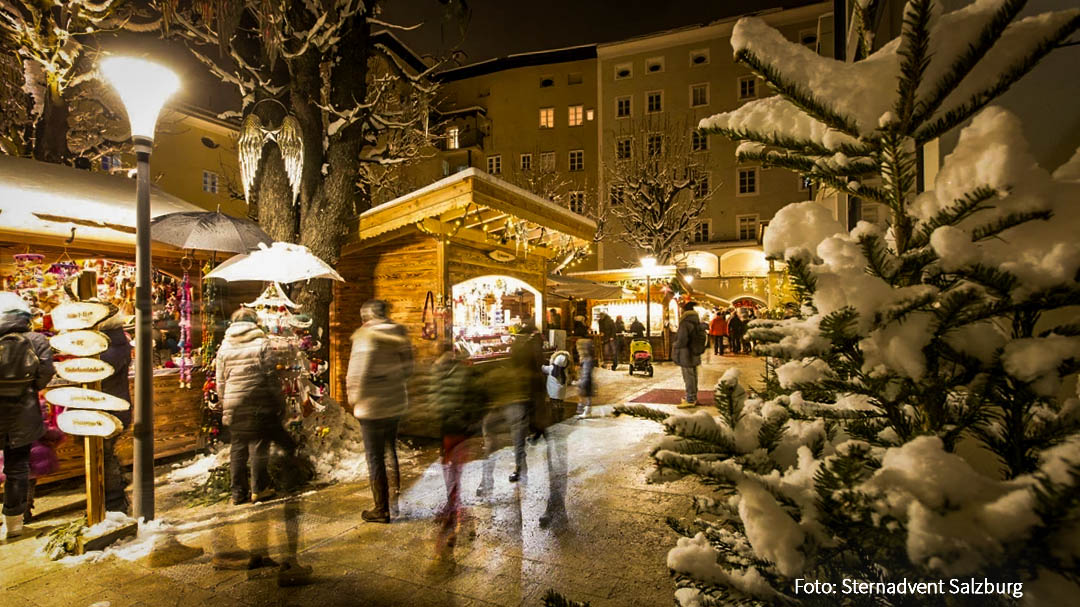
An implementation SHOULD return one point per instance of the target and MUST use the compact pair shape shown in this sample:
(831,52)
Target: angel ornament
(252,140)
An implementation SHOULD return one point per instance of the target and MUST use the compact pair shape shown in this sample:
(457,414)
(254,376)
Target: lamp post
(143,86)
(648,264)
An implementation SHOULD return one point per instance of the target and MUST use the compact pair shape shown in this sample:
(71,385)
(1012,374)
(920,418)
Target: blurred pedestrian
(736,329)
(636,328)
(26,367)
(118,355)
(580,328)
(717,330)
(607,338)
(380,364)
(585,386)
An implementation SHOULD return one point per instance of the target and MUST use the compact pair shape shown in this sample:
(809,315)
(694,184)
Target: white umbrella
(280,262)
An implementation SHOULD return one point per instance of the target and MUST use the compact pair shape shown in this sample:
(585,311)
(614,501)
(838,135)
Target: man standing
(118,355)
(717,330)
(690,343)
(380,364)
(607,336)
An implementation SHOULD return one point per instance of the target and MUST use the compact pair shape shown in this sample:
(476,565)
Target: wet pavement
(611,551)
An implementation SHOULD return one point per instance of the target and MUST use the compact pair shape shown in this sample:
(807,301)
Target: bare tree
(657,185)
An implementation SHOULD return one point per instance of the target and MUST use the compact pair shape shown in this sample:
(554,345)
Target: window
(654,102)
(577,160)
(624,71)
(110,162)
(804,183)
(808,38)
(210,182)
(453,140)
(484,92)
(622,107)
(494,164)
(699,95)
(701,188)
(547,117)
(747,87)
(747,226)
(616,195)
(525,162)
(547,161)
(699,57)
(623,147)
(575,114)
(589,114)
(654,144)
(574,78)
(654,65)
(699,141)
(547,81)
(702,230)
(577,202)
(748,182)
(870,211)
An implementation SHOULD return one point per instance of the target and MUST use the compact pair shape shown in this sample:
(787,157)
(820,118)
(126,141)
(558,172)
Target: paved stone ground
(612,551)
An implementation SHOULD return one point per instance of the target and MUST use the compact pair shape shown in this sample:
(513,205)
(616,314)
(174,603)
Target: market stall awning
(473,205)
(40,200)
(579,288)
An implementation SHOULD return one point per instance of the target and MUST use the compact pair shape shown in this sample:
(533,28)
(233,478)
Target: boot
(375,516)
(13,526)
(28,514)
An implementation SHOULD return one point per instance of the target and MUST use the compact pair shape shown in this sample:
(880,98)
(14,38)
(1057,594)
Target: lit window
(577,160)
(699,95)
(547,161)
(525,162)
(210,182)
(624,71)
(654,144)
(701,186)
(747,87)
(748,182)
(494,164)
(699,141)
(547,117)
(622,107)
(702,230)
(577,202)
(654,102)
(111,162)
(804,182)
(747,226)
(623,148)
(699,57)
(616,195)
(590,114)
(575,115)
(453,140)
(654,65)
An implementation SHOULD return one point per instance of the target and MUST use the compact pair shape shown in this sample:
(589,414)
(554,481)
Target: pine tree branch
(961,209)
(805,147)
(554,599)
(880,262)
(641,411)
(1011,220)
(996,280)
(914,51)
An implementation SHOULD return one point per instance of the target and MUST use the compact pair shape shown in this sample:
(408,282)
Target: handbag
(430,330)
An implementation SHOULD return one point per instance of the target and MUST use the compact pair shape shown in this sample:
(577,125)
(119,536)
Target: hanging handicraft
(252,140)
(185,332)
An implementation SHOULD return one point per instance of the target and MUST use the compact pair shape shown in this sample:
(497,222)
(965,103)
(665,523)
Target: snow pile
(801,371)
(797,226)
(696,558)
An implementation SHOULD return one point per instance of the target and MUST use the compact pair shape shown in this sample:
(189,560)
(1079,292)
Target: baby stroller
(641,356)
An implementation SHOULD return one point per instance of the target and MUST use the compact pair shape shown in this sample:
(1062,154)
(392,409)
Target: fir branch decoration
(554,599)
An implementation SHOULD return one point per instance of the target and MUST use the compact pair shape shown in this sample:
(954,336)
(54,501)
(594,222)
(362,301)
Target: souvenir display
(488,312)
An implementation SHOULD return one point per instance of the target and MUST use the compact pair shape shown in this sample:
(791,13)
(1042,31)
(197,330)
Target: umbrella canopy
(208,231)
(280,262)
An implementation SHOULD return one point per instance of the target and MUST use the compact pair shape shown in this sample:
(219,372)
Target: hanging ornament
(253,138)
(185,330)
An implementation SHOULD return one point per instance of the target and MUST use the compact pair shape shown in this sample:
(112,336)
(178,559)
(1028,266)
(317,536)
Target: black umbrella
(208,231)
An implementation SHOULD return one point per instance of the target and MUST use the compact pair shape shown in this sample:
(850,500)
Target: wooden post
(94,447)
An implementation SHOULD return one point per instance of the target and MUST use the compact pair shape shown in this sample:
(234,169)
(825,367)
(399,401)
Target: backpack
(18,365)
(699,341)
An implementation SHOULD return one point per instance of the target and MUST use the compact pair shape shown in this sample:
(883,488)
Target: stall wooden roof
(493,200)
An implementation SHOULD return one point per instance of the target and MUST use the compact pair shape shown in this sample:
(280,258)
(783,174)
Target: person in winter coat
(118,355)
(586,389)
(380,365)
(607,338)
(580,328)
(717,330)
(20,416)
(43,458)
(637,328)
(736,329)
(557,371)
(683,353)
(249,388)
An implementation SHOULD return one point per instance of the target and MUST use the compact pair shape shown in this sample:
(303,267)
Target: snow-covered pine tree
(922,427)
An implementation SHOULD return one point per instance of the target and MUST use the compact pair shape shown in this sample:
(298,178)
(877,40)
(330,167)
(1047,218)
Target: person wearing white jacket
(557,372)
(557,379)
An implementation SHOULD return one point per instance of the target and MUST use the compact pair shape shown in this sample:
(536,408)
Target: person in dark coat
(683,353)
(607,338)
(637,328)
(620,328)
(736,329)
(252,405)
(118,355)
(580,328)
(20,416)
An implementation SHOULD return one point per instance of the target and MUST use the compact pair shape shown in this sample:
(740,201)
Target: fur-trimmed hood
(243,332)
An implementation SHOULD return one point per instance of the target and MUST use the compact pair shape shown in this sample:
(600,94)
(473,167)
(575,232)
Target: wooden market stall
(51,213)
(472,246)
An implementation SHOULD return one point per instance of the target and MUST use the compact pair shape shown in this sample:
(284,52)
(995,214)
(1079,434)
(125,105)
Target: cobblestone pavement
(611,552)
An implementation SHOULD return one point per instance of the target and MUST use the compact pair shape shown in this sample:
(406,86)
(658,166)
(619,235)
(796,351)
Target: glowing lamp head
(144,87)
(648,262)
(689,278)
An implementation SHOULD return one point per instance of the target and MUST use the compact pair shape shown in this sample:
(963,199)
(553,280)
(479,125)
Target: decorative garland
(185,331)
(211,415)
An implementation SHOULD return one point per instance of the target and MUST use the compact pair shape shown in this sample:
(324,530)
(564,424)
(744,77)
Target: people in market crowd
(26,367)
(736,329)
(636,328)
(118,355)
(249,388)
(607,338)
(544,420)
(620,328)
(554,319)
(690,342)
(717,330)
(580,328)
(585,386)
(748,344)
(380,364)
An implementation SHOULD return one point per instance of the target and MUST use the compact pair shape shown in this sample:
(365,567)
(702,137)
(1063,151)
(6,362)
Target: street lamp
(648,264)
(143,86)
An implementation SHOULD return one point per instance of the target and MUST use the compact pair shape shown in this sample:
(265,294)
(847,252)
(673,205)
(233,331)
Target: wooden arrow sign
(84,370)
(80,422)
(80,343)
(83,398)
(79,315)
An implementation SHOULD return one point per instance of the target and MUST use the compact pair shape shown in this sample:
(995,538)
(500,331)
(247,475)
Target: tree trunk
(50,132)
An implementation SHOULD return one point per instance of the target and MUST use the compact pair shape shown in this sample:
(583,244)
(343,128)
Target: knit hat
(560,358)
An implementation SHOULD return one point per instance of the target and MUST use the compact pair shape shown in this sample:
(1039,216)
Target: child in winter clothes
(585,380)
(557,372)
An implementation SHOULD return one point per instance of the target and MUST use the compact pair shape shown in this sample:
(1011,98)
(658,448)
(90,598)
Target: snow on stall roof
(40,197)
